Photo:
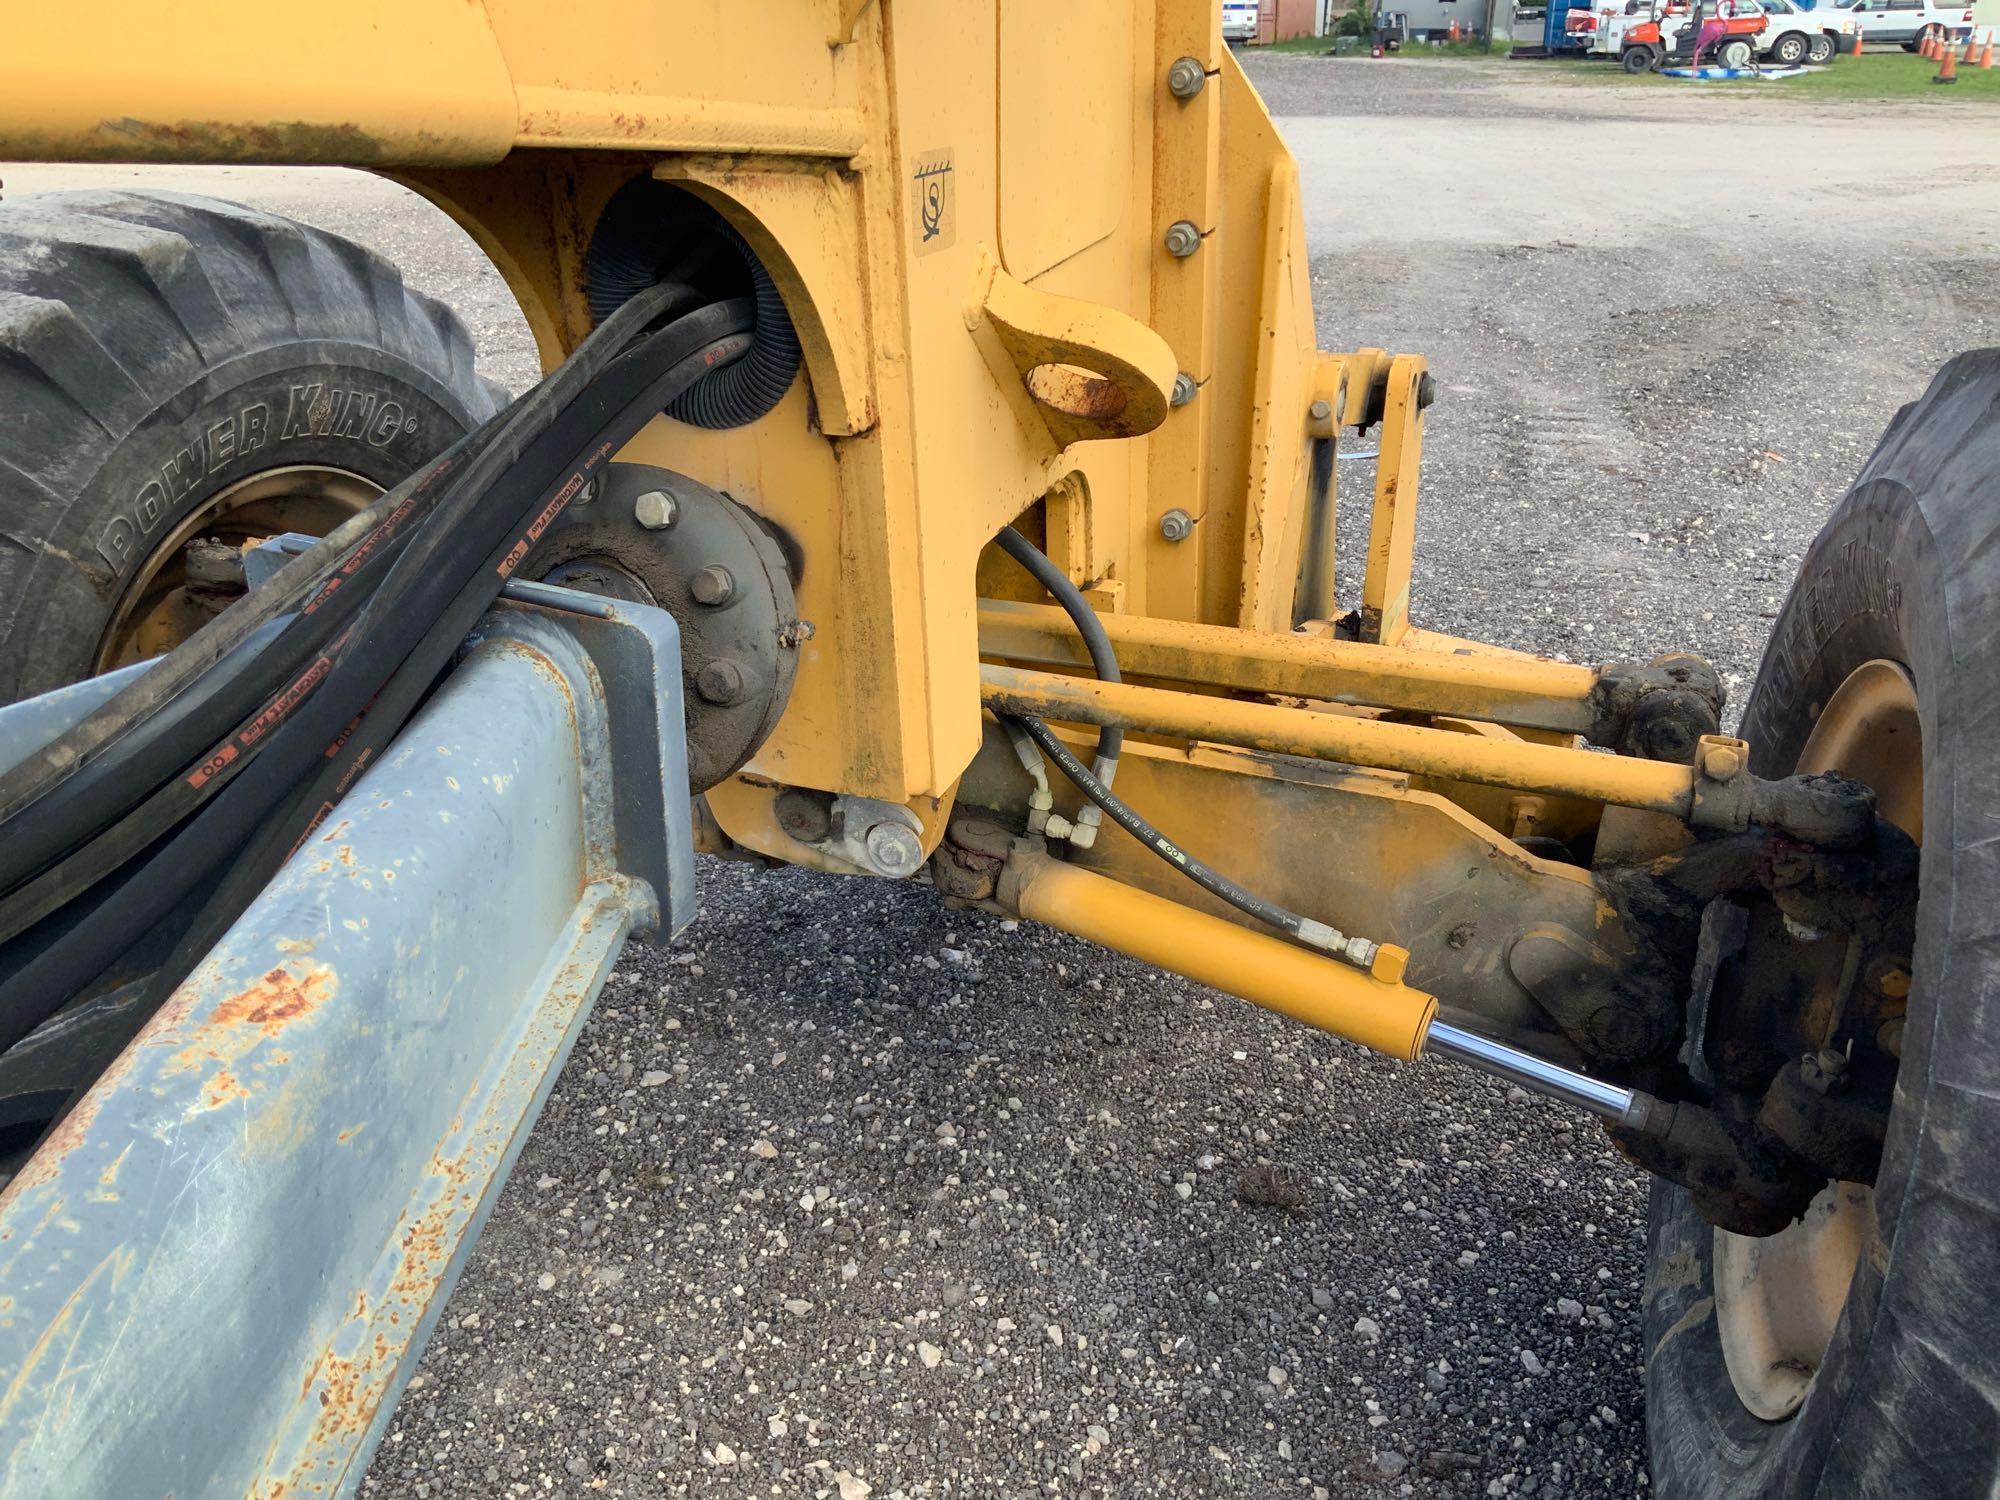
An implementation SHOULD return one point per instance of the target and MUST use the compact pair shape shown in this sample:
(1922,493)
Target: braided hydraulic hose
(445,577)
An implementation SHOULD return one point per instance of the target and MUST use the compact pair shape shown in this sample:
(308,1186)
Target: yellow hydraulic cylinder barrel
(1384,1014)
(1523,766)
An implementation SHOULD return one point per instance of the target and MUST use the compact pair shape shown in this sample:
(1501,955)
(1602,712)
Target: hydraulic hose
(1103,659)
(1314,934)
(385,715)
(90,798)
(141,707)
(450,561)
(97,803)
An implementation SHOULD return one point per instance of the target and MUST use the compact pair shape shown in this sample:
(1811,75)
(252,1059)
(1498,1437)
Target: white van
(1239,20)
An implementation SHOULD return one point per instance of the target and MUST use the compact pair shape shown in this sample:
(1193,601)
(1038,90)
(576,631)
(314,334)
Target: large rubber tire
(157,349)
(1790,49)
(1907,1399)
(1821,49)
(1734,52)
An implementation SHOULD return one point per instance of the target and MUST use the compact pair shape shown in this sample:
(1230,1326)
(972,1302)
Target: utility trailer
(933,479)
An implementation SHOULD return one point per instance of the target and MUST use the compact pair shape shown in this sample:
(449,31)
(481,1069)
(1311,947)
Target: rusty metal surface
(217,1272)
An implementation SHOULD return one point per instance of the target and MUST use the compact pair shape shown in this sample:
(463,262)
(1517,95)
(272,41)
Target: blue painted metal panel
(1555,35)
(218,1271)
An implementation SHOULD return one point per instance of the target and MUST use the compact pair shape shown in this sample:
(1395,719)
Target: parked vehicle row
(1645,34)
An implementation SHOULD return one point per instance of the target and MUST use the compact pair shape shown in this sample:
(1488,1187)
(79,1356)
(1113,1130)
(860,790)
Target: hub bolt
(720,682)
(1177,525)
(655,510)
(1185,390)
(713,586)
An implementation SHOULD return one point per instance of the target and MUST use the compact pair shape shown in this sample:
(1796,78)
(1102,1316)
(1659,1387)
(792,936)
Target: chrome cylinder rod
(1621,1106)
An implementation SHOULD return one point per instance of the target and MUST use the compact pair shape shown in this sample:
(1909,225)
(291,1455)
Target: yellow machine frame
(1047,264)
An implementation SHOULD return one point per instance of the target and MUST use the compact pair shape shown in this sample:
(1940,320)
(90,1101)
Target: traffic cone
(1926,48)
(1986,54)
(1947,68)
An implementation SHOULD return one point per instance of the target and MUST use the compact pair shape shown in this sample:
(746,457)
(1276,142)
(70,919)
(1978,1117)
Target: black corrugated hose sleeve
(757,382)
(1110,738)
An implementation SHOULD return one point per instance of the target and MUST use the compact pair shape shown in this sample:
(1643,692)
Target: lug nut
(1176,525)
(1185,389)
(1185,78)
(712,586)
(655,510)
(720,682)
(1183,239)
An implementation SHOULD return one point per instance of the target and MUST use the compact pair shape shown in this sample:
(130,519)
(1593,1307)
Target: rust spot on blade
(222,1088)
(243,1021)
(275,1001)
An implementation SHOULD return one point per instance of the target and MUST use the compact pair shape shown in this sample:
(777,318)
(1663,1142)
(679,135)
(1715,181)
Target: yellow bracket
(1089,370)
(1392,534)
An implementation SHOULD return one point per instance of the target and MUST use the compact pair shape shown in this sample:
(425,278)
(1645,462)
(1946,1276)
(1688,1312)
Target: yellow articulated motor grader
(933,479)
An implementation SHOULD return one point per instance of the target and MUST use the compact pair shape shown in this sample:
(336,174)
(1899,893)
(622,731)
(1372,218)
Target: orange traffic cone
(1927,48)
(1986,54)
(1947,67)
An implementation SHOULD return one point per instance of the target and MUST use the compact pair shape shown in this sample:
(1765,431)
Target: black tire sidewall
(308,402)
(1904,571)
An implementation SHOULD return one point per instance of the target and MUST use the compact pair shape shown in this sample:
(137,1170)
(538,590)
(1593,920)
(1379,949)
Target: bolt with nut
(1177,525)
(1185,78)
(1182,239)
(893,849)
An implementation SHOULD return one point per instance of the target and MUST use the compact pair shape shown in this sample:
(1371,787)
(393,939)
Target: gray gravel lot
(844,1193)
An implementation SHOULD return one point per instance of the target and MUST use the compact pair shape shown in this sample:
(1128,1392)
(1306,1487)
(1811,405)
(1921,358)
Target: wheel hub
(1778,1299)
(187,578)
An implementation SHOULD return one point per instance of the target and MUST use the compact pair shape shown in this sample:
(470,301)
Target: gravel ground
(847,1194)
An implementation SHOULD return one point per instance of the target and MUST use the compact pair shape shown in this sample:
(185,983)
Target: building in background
(1282,20)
